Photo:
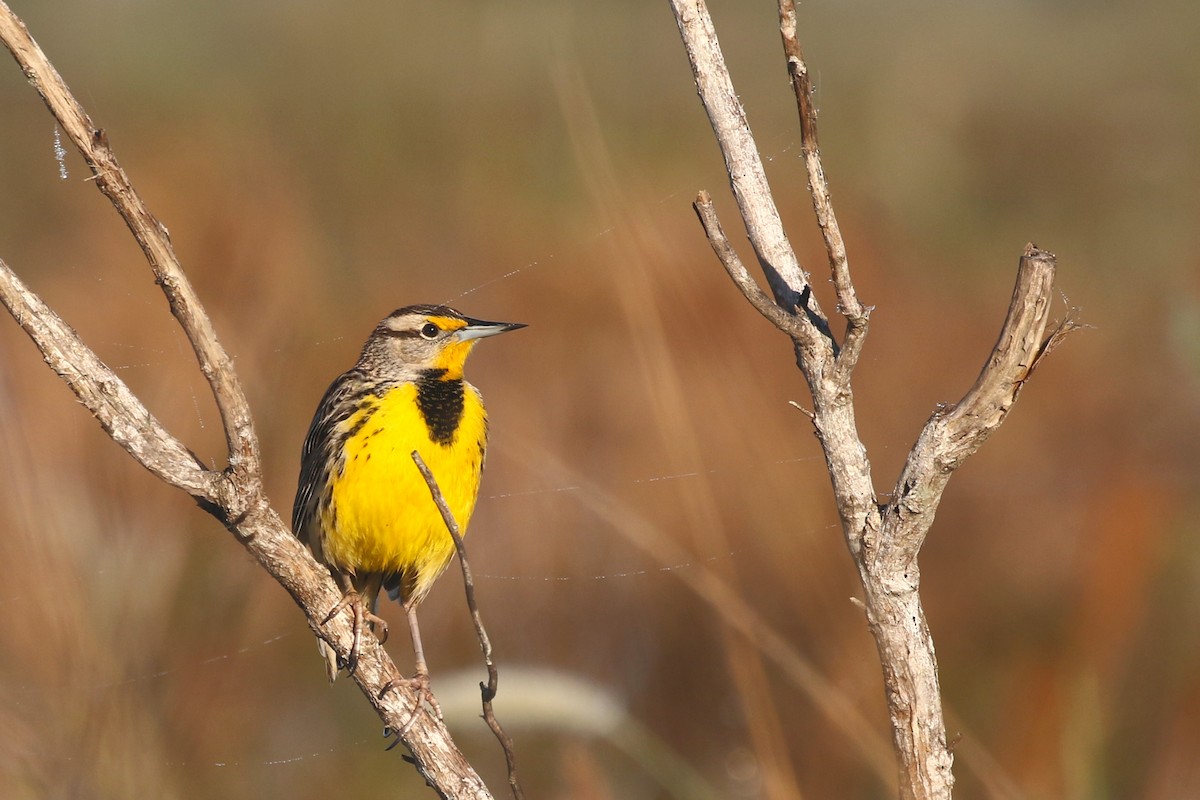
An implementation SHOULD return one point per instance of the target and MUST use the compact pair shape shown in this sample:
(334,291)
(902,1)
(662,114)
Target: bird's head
(422,338)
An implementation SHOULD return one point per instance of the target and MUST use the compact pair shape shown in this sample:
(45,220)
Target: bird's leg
(353,599)
(419,682)
(421,668)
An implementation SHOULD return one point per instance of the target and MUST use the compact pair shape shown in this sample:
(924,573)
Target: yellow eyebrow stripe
(448,323)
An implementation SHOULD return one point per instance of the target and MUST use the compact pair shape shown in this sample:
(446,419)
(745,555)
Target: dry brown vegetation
(537,163)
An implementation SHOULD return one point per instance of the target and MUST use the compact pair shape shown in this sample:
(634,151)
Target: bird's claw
(419,685)
(354,601)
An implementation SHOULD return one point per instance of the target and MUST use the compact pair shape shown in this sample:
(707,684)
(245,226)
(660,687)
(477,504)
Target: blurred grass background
(321,164)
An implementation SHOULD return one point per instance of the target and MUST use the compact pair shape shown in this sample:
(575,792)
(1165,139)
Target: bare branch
(954,433)
(818,186)
(884,541)
(888,563)
(487,690)
(1013,357)
(747,177)
(121,414)
(729,258)
(856,314)
(399,707)
(155,242)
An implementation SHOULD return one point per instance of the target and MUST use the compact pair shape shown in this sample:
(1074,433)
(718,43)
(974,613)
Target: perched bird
(362,506)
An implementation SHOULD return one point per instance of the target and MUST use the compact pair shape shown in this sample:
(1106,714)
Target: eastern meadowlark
(362,506)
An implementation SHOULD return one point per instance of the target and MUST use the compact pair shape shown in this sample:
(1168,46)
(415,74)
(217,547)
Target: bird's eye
(430,331)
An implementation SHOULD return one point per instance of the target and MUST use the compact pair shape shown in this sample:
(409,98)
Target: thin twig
(729,258)
(857,315)
(835,246)
(486,690)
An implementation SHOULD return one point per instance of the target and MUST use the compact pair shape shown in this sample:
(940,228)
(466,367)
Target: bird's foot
(362,615)
(418,684)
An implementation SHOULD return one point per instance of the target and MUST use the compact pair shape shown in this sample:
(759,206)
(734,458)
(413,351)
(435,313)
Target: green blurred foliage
(320,164)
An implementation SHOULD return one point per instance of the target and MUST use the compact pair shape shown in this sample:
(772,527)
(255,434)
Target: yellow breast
(382,518)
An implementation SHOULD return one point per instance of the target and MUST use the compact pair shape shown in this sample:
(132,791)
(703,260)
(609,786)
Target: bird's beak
(479,329)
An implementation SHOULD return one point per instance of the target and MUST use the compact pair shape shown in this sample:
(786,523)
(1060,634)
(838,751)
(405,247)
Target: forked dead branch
(884,539)
(234,494)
